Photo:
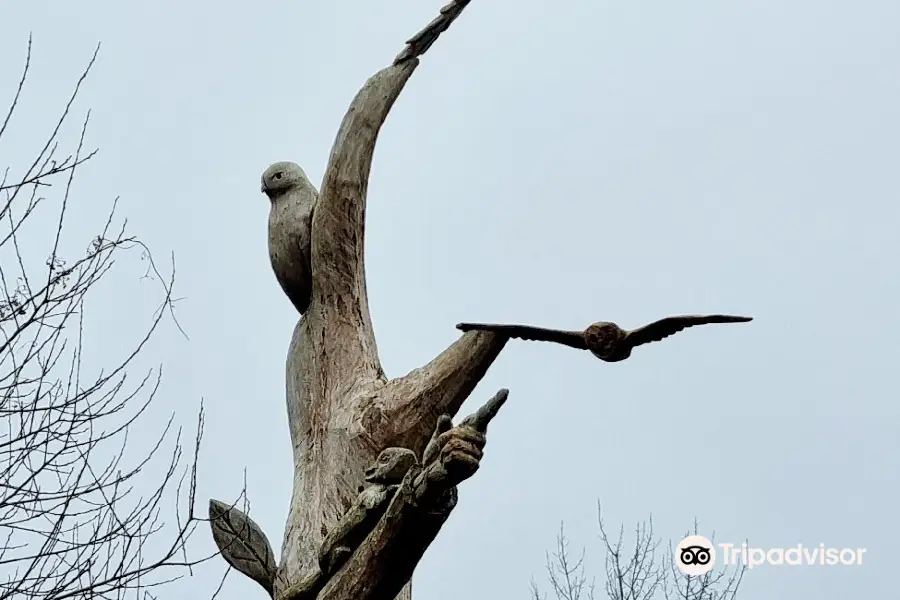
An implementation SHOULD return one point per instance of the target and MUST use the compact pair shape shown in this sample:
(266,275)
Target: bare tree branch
(567,578)
(77,508)
(635,573)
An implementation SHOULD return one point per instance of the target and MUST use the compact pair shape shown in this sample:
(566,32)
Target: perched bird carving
(292,199)
(607,341)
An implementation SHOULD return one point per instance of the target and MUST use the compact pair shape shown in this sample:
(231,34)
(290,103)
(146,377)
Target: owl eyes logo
(695,555)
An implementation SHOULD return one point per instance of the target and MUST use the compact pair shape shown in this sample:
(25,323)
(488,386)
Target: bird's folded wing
(663,328)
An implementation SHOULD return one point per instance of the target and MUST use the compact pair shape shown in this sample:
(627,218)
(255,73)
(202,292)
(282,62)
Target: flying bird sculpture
(607,341)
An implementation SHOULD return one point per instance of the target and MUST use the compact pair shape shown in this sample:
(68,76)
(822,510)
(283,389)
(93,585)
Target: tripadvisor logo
(695,555)
(793,556)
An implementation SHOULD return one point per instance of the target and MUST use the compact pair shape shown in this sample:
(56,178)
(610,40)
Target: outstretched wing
(666,327)
(573,339)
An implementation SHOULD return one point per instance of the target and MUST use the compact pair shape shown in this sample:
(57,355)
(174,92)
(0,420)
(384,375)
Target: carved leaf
(243,544)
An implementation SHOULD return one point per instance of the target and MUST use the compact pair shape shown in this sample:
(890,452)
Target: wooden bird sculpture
(607,341)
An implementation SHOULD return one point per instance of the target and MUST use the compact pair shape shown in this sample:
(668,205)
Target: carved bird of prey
(607,341)
(292,198)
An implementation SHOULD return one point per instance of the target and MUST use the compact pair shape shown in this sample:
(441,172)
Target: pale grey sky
(550,163)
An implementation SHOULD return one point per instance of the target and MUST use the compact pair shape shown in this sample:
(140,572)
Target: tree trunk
(342,409)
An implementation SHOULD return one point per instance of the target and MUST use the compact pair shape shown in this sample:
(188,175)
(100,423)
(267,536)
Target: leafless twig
(80,515)
(638,572)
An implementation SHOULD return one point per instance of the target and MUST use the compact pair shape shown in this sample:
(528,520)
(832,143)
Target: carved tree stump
(342,409)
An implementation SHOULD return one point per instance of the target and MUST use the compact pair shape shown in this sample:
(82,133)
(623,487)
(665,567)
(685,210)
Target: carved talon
(482,417)
(454,453)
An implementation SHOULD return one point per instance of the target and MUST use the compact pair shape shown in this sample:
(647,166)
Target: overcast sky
(553,163)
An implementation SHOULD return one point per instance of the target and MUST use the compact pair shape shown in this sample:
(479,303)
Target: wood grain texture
(342,409)
(242,544)
(380,566)
(378,542)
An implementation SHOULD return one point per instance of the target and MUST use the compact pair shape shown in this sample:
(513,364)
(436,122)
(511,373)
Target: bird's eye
(277,175)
